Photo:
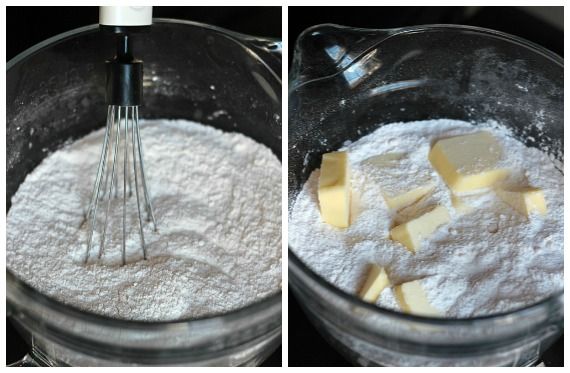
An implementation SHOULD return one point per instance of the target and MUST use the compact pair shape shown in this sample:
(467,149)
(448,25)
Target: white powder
(217,201)
(487,261)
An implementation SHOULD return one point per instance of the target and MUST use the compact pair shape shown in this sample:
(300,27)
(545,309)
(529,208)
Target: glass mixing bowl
(347,82)
(55,92)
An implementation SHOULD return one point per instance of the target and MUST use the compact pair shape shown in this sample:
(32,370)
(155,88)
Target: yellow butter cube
(412,299)
(376,281)
(334,189)
(468,162)
(412,233)
(525,200)
(399,189)
(405,199)
(460,205)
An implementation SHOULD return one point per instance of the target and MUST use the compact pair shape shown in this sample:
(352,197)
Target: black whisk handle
(124,81)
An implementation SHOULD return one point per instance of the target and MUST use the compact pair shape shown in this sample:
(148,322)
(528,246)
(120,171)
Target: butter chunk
(468,162)
(334,189)
(412,299)
(376,281)
(460,205)
(402,182)
(525,200)
(411,233)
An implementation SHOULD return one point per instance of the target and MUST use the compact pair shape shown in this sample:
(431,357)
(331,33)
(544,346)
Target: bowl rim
(385,34)
(244,40)
(15,285)
(439,26)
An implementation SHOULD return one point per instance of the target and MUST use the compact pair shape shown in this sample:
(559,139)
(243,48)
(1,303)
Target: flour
(487,261)
(217,201)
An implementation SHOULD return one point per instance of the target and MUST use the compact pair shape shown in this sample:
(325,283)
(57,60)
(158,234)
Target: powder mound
(217,201)
(486,261)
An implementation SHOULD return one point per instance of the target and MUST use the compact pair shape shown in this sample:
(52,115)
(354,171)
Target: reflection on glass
(356,67)
(397,86)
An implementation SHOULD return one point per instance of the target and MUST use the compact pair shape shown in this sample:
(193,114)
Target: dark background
(27,26)
(306,346)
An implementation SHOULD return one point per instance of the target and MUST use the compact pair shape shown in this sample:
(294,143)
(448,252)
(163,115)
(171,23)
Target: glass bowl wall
(55,93)
(347,82)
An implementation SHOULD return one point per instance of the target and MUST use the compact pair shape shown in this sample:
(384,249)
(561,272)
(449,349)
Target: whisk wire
(125,175)
(128,174)
(137,187)
(141,158)
(108,168)
(92,211)
(102,160)
(109,197)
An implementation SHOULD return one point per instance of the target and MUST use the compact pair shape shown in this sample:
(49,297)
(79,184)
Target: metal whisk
(122,133)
